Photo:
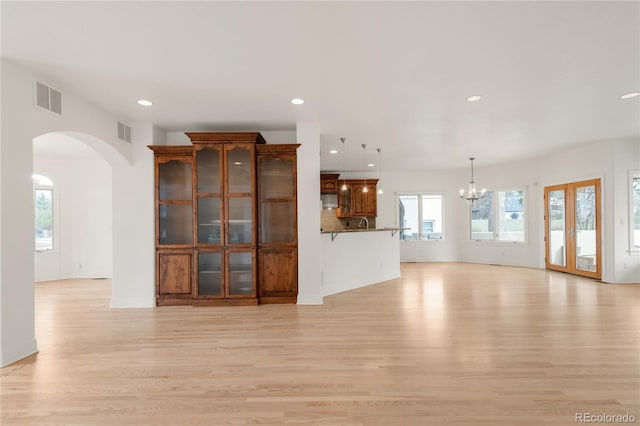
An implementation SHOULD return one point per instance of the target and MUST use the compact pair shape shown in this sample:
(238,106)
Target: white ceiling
(393,75)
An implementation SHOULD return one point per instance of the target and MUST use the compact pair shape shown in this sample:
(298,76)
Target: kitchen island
(354,258)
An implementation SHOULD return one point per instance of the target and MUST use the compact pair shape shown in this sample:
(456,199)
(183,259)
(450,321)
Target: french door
(572,228)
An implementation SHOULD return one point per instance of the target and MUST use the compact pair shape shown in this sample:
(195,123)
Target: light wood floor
(445,344)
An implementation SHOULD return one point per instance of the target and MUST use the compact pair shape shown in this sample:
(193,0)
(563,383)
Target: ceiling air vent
(48,98)
(124,132)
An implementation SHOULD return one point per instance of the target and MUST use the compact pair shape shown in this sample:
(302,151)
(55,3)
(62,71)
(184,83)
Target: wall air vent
(124,132)
(48,98)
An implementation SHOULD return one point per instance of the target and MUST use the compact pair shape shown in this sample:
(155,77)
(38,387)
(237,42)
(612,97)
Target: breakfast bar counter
(353,258)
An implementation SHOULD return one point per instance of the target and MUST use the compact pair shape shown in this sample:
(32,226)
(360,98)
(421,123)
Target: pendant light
(380,191)
(344,184)
(364,147)
(472,194)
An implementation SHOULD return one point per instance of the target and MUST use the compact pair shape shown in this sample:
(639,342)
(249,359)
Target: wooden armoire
(226,221)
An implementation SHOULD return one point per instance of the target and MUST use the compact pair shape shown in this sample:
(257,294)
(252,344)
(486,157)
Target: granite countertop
(340,231)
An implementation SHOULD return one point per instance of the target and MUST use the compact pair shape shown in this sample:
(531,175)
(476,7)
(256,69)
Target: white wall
(442,182)
(82,220)
(17,334)
(309,242)
(521,174)
(626,157)
(21,123)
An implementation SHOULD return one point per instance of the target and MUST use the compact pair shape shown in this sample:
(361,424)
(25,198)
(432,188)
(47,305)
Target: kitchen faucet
(366,222)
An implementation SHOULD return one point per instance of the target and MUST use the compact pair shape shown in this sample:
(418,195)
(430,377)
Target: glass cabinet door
(277,196)
(175,224)
(208,170)
(209,220)
(174,203)
(174,180)
(240,273)
(239,166)
(277,222)
(210,274)
(344,199)
(276,178)
(240,223)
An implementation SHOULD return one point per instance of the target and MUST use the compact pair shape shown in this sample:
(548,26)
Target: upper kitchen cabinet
(329,183)
(357,198)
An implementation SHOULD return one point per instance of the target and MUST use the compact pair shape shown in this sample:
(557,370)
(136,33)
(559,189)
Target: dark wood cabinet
(278,223)
(357,198)
(207,228)
(174,267)
(329,183)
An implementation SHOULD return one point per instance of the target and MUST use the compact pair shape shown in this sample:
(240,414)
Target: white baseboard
(132,302)
(16,353)
(309,299)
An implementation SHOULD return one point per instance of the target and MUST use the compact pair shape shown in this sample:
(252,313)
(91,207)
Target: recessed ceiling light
(474,98)
(630,95)
(333,151)
(237,163)
(144,102)
(297,101)
(370,165)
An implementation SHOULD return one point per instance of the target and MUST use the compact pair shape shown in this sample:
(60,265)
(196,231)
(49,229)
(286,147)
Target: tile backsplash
(330,222)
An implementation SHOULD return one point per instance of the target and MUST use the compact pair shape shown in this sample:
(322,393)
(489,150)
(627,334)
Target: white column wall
(626,158)
(134,223)
(17,333)
(309,242)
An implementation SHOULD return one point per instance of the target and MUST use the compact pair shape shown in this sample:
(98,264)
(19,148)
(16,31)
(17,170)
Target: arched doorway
(78,239)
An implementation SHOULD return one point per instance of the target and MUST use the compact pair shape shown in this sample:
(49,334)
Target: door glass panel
(175,224)
(239,170)
(174,180)
(210,274)
(557,243)
(240,220)
(585,228)
(240,273)
(209,224)
(276,178)
(208,170)
(277,222)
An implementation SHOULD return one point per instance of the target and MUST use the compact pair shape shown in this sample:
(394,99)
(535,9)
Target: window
(499,216)
(634,221)
(43,203)
(423,215)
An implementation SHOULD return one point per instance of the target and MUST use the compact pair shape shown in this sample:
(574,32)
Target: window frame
(52,188)
(496,217)
(421,219)
(634,246)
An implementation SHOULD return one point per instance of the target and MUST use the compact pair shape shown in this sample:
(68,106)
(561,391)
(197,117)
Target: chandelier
(472,194)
